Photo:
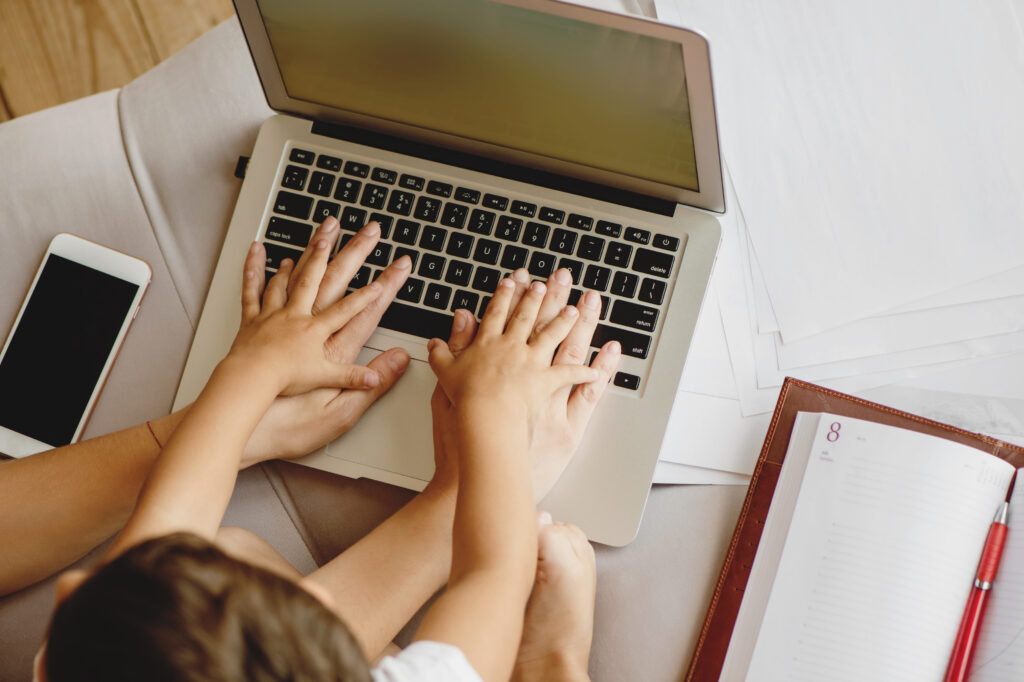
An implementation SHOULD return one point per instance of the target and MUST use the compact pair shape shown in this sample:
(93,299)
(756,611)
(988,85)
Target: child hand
(282,335)
(507,370)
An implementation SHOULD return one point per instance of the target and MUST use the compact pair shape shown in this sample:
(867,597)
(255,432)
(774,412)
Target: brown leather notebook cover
(797,396)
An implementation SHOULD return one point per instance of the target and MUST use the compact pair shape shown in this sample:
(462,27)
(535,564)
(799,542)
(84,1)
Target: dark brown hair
(178,609)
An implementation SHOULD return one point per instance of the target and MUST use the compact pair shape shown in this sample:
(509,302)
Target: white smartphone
(64,341)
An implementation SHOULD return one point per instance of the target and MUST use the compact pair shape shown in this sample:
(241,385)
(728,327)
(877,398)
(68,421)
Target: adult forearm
(60,504)
(380,582)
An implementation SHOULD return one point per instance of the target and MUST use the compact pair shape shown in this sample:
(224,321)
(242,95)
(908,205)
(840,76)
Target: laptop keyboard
(463,240)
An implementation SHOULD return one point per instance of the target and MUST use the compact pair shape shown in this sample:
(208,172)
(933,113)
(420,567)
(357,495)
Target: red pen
(967,637)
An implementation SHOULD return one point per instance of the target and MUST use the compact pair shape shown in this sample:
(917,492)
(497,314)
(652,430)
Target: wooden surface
(53,51)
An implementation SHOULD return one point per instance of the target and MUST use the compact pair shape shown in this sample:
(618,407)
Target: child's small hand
(507,371)
(283,337)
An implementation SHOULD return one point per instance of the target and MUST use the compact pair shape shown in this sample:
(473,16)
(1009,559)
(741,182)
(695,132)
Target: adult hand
(296,425)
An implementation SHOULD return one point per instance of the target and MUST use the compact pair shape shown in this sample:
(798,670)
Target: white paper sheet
(886,168)
(711,432)
(708,369)
(670,473)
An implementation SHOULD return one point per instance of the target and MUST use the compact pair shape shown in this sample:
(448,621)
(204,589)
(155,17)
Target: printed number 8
(833,432)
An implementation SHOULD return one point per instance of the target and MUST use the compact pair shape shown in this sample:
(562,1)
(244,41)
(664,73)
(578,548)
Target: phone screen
(59,349)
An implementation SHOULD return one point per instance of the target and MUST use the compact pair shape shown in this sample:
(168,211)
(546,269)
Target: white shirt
(426,662)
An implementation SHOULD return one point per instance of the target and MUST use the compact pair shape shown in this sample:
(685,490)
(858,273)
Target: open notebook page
(1000,653)
(878,559)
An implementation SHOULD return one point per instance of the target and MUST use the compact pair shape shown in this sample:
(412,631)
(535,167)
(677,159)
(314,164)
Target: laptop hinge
(510,171)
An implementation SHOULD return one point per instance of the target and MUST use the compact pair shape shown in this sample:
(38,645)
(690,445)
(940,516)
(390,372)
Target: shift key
(633,344)
(634,315)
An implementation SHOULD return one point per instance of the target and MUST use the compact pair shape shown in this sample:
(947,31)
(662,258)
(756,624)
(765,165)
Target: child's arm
(500,388)
(280,349)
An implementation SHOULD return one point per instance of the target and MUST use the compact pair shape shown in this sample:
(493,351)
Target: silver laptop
(487,136)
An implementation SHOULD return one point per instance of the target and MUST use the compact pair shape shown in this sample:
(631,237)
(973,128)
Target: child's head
(179,609)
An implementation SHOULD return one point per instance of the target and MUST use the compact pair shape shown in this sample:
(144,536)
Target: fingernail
(398,360)
(375,287)
(592,300)
(371,380)
(370,229)
(403,263)
(322,244)
(570,311)
(506,283)
(255,245)
(614,348)
(545,518)
(329,224)
(539,287)
(563,276)
(286,263)
(521,275)
(460,321)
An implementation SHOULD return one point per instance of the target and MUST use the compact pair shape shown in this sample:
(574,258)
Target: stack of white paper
(874,240)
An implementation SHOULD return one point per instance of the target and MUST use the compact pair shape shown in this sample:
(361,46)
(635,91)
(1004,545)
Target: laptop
(486,136)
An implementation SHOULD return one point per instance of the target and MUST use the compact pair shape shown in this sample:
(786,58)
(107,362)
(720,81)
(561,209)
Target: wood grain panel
(173,25)
(52,51)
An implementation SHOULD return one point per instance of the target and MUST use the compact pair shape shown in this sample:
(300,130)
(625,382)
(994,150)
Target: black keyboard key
(377,273)
(301,156)
(277,253)
(295,177)
(374,196)
(574,267)
(486,280)
(624,284)
(458,273)
(596,277)
(388,177)
(652,291)
(348,190)
(400,202)
(630,381)
(439,189)
(580,222)
(618,254)
(432,266)
(361,279)
(330,163)
(591,247)
(460,245)
(634,344)
(321,184)
(634,315)
(498,203)
(413,182)
(381,254)
(551,215)
(360,170)
(524,209)
(514,257)
(655,263)
(509,228)
(406,231)
(438,296)
(326,209)
(563,241)
(353,218)
(425,324)
(465,299)
(433,238)
(483,306)
(345,239)
(427,209)
(413,254)
(411,290)
(635,234)
(605,305)
(608,229)
(385,221)
(541,264)
(536,235)
(289,232)
(470,196)
(663,241)
(486,251)
(481,222)
(293,205)
(454,215)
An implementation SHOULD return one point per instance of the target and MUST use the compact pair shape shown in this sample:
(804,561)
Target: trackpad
(395,434)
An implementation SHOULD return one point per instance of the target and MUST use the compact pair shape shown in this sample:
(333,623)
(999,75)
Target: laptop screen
(509,76)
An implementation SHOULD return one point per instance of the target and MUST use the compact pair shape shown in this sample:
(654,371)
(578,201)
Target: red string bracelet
(153,433)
